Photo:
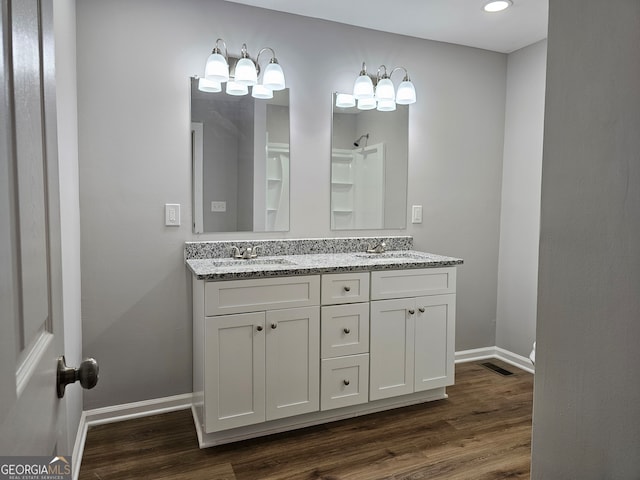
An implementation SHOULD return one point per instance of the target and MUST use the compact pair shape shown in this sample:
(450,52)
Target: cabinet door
(234,371)
(292,361)
(434,341)
(391,348)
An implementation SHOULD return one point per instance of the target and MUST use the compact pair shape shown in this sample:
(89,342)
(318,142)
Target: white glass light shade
(273,77)
(205,85)
(344,100)
(367,103)
(497,6)
(261,92)
(406,94)
(217,69)
(246,73)
(386,105)
(385,90)
(235,88)
(363,87)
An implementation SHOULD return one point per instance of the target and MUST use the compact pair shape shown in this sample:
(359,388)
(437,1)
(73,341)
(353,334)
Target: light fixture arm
(216,49)
(384,75)
(243,52)
(406,73)
(267,49)
(273,57)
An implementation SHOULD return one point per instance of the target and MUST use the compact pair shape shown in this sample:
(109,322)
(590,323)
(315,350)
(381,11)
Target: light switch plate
(219,206)
(416,214)
(172,214)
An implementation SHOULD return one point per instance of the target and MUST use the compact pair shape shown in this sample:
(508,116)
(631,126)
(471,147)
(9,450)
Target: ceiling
(452,21)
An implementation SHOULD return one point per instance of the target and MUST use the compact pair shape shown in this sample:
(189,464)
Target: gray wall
(134,60)
(520,212)
(587,386)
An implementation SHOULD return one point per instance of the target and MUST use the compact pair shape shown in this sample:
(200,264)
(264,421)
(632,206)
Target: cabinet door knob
(259,328)
(347,288)
(346,331)
(346,382)
(274,325)
(421,309)
(412,311)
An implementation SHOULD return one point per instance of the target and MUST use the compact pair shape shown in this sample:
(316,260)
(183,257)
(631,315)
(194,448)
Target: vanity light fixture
(383,95)
(242,73)
(497,5)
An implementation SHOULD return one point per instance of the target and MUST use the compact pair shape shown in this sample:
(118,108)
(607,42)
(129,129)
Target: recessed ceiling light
(497,5)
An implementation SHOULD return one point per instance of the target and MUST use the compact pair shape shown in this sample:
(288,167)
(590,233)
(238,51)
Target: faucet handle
(235,252)
(379,248)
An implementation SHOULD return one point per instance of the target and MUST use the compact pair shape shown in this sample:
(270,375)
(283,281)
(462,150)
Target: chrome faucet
(247,253)
(376,249)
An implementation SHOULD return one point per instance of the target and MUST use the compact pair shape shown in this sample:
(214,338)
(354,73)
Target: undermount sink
(391,256)
(239,262)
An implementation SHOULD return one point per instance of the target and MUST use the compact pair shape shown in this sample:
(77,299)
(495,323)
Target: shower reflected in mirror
(369,163)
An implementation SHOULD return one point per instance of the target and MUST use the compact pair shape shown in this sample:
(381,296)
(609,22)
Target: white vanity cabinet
(275,354)
(412,337)
(262,364)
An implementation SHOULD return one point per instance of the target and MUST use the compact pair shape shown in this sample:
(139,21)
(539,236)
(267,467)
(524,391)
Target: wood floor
(482,431)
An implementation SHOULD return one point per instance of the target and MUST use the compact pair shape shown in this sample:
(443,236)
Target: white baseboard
(511,358)
(128,411)
(119,413)
(514,359)
(475,354)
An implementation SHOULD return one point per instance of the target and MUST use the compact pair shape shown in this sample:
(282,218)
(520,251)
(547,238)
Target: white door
(31,336)
(391,348)
(293,361)
(234,371)
(434,342)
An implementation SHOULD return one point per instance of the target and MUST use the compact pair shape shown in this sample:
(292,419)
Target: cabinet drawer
(238,296)
(345,381)
(345,288)
(412,283)
(345,330)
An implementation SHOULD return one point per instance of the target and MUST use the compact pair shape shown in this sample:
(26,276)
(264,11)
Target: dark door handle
(87,374)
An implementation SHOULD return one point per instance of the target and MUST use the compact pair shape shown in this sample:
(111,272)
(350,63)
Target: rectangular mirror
(369,164)
(240,156)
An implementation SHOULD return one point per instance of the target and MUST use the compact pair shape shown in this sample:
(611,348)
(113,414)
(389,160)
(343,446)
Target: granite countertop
(225,268)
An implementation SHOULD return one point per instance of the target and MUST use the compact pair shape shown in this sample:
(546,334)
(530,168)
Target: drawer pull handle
(347,288)
(346,331)
(259,328)
(421,309)
(411,312)
(274,326)
(346,382)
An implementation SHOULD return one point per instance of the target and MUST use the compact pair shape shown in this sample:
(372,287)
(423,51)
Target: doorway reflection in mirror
(240,155)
